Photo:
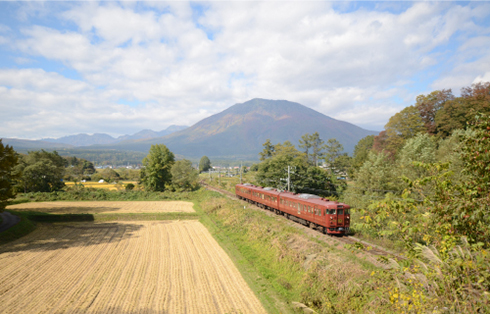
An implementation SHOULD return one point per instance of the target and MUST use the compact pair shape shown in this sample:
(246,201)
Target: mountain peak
(240,130)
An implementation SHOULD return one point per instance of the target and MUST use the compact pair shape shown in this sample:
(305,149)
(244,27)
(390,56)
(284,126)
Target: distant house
(101,181)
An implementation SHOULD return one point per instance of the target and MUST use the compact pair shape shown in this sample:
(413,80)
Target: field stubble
(144,267)
(106,207)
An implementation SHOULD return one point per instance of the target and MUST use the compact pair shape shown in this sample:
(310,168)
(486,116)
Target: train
(329,217)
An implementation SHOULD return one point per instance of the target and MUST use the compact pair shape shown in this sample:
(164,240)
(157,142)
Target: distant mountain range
(101,138)
(82,139)
(235,133)
(240,131)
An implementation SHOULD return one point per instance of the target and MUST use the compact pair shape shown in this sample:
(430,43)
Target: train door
(340,217)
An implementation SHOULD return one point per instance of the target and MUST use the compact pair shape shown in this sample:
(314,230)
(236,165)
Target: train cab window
(340,211)
(347,212)
(331,211)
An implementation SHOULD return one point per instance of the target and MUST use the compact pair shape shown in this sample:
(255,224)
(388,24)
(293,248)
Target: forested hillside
(422,187)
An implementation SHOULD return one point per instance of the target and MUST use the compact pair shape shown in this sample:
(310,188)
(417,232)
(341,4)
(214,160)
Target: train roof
(312,198)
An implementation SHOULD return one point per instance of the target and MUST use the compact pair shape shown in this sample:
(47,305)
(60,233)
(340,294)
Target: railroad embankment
(298,267)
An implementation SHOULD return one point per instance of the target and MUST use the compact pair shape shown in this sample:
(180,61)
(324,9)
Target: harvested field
(106,186)
(144,267)
(106,207)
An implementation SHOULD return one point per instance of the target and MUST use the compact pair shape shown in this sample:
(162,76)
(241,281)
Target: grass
(24,227)
(91,194)
(283,265)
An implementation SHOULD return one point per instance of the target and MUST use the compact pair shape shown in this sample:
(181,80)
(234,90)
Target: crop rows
(106,207)
(144,267)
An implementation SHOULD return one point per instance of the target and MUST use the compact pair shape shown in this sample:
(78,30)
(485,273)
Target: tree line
(43,171)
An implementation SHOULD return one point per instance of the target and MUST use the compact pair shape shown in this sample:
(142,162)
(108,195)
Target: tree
(287,148)
(8,160)
(361,151)
(421,148)
(110,175)
(402,126)
(204,164)
(458,112)
(40,171)
(317,146)
(183,175)
(268,150)
(303,176)
(429,105)
(343,163)
(273,170)
(333,150)
(305,144)
(157,165)
(312,146)
(129,187)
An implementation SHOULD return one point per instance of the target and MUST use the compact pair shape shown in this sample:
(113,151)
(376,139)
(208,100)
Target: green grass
(265,292)
(91,194)
(24,227)
(283,265)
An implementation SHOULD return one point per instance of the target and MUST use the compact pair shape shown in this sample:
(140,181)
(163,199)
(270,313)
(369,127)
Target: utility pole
(209,174)
(241,172)
(289,178)
(219,176)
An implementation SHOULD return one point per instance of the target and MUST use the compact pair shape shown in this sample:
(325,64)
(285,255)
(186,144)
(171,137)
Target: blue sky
(120,67)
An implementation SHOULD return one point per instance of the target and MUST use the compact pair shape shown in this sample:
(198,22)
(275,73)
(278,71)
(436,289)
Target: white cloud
(346,65)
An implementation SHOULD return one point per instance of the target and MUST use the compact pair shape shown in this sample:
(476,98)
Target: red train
(308,209)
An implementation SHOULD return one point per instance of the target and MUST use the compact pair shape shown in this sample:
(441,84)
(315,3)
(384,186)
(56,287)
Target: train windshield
(347,212)
(340,211)
(331,211)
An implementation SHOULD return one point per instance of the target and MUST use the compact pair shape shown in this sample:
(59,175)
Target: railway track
(366,247)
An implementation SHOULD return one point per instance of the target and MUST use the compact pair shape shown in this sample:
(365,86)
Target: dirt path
(142,267)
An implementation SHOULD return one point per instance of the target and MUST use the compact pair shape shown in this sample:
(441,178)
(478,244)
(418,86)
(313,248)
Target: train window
(332,212)
(347,212)
(340,211)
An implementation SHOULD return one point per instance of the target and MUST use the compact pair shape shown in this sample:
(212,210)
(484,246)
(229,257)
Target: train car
(267,198)
(310,210)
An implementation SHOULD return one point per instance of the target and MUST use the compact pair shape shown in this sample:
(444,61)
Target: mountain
(147,134)
(20,145)
(103,139)
(83,139)
(240,131)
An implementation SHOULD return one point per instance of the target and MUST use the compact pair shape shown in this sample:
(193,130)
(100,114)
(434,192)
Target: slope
(240,131)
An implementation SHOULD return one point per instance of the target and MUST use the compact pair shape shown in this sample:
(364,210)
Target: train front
(337,218)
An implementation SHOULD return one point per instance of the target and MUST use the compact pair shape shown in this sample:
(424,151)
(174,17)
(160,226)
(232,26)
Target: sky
(121,67)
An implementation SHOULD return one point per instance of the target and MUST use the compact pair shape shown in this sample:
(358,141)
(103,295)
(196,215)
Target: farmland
(124,267)
(105,207)
(103,185)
